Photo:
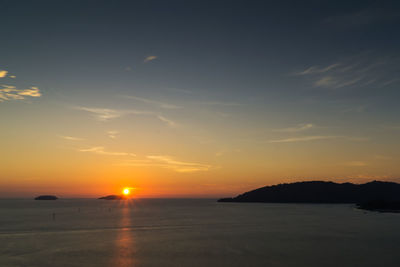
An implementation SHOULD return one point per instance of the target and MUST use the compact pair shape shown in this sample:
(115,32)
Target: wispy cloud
(298,128)
(367,177)
(217,103)
(9,92)
(391,127)
(315,138)
(356,109)
(149,58)
(101,150)
(167,121)
(358,71)
(167,162)
(153,102)
(389,82)
(163,161)
(326,81)
(178,90)
(112,134)
(180,166)
(316,69)
(105,114)
(203,139)
(356,163)
(383,157)
(3,73)
(221,153)
(303,139)
(335,82)
(70,138)
(362,17)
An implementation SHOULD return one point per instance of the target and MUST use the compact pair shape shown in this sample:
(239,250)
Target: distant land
(113,197)
(46,197)
(373,195)
(380,205)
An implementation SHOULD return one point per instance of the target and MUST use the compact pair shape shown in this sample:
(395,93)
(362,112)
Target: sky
(196,98)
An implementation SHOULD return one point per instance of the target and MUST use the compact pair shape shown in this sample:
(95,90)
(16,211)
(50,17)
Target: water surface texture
(156,232)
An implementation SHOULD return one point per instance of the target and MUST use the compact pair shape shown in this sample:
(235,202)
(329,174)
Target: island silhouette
(114,197)
(46,197)
(375,195)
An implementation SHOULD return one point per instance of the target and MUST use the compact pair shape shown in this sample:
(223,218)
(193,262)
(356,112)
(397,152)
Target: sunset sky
(196,98)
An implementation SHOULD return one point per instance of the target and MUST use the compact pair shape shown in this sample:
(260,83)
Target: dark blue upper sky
(238,50)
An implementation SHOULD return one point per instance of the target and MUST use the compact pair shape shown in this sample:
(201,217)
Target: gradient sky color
(196,98)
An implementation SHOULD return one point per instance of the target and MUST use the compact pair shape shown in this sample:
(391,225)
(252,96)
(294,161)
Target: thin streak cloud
(217,103)
(153,102)
(149,58)
(362,17)
(71,138)
(105,114)
(112,134)
(299,128)
(167,121)
(303,139)
(358,71)
(179,166)
(315,138)
(316,69)
(167,162)
(101,151)
(356,163)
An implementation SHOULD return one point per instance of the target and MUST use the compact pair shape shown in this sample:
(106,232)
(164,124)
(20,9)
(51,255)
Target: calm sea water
(194,233)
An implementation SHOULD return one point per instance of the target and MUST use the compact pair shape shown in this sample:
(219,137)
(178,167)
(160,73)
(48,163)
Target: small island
(380,206)
(113,197)
(46,197)
(374,196)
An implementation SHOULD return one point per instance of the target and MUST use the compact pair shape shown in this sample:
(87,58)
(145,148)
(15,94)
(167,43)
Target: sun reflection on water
(124,244)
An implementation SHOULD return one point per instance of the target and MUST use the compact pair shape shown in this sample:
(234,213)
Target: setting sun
(126,191)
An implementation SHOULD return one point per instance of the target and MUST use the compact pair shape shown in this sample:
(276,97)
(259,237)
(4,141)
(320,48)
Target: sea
(194,232)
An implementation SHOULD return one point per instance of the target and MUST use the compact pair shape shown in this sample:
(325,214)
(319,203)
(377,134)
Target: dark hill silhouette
(322,192)
(46,197)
